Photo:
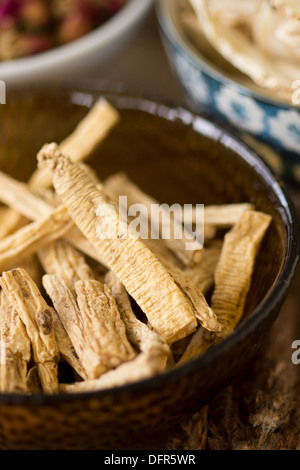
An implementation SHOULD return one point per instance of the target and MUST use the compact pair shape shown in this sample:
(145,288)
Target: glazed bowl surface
(178,157)
(212,86)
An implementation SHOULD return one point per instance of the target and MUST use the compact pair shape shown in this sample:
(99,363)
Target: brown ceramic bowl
(177,157)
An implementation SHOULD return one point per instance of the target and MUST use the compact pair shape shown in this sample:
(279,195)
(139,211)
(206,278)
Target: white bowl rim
(172,31)
(129,14)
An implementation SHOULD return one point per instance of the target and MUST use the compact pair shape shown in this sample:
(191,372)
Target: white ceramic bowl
(80,55)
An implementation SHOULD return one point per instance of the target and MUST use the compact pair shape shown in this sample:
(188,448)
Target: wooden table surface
(262,409)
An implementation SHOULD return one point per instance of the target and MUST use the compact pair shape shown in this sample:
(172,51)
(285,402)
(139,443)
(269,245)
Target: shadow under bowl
(177,157)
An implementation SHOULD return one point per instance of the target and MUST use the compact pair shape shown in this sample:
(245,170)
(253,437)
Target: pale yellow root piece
(203,274)
(247,48)
(33,237)
(16,194)
(66,306)
(144,366)
(64,260)
(33,381)
(76,238)
(33,268)
(48,196)
(234,270)
(11,189)
(143,276)
(22,199)
(27,300)
(94,327)
(224,215)
(15,349)
(120,185)
(10,221)
(102,319)
(201,309)
(15,341)
(138,333)
(65,346)
(200,342)
(203,312)
(232,279)
(87,136)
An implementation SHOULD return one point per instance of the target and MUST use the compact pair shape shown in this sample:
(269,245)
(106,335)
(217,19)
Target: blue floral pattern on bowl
(270,123)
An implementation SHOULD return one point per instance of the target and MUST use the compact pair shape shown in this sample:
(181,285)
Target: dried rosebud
(7,40)
(34,14)
(9,8)
(31,26)
(29,44)
(61,9)
(73,27)
(8,22)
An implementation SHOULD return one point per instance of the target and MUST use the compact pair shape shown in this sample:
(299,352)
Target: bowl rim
(288,215)
(171,31)
(103,35)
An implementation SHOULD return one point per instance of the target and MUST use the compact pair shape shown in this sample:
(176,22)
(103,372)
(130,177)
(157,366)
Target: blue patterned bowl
(270,125)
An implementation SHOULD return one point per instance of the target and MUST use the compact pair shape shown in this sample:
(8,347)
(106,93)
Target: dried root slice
(235,267)
(95,329)
(62,259)
(33,237)
(66,306)
(24,200)
(139,334)
(65,346)
(200,342)
(232,279)
(88,135)
(33,381)
(120,185)
(15,349)
(21,198)
(248,52)
(206,316)
(203,274)
(48,196)
(10,221)
(144,366)
(200,307)
(76,238)
(27,300)
(223,216)
(276,31)
(143,276)
(102,320)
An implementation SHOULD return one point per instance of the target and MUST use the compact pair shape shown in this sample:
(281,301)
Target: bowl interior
(176,157)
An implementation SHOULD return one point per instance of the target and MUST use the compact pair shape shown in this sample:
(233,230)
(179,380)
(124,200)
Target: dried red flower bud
(29,44)
(73,27)
(34,14)
(9,8)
